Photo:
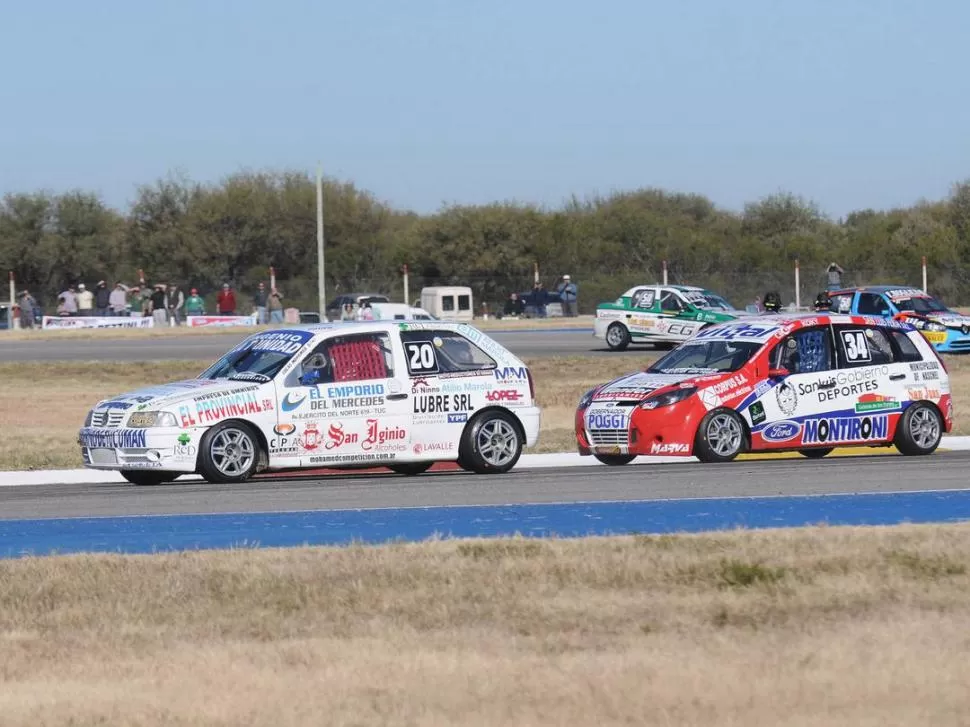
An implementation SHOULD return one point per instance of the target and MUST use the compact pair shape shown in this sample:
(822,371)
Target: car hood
(950,319)
(638,386)
(166,395)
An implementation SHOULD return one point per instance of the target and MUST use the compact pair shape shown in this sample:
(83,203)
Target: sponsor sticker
(875,402)
(845,429)
(782,431)
(669,448)
(608,419)
(113,438)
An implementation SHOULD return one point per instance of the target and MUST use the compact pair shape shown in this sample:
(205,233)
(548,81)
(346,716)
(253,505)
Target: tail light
(938,356)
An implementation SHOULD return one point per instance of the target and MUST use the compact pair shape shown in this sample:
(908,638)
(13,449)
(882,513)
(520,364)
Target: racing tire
(615,460)
(920,429)
(720,437)
(149,478)
(491,443)
(410,468)
(617,337)
(229,452)
(816,453)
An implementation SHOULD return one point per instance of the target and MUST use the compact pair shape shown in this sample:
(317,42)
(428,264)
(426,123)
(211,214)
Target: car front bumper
(166,449)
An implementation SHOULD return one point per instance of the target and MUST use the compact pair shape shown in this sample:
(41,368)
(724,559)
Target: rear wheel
(615,460)
(720,437)
(410,468)
(149,478)
(816,453)
(491,444)
(920,429)
(229,452)
(617,337)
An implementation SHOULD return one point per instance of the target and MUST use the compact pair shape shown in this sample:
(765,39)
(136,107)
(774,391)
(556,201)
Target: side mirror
(778,373)
(310,378)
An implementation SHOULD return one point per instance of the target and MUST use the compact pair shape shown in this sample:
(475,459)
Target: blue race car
(947,330)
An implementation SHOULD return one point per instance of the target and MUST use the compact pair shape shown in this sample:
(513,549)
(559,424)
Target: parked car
(803,383)
(662,315)
(336,306)
(400,312)
(399,395)
(947,330)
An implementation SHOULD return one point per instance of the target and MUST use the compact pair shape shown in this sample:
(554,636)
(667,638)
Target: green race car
(663,315)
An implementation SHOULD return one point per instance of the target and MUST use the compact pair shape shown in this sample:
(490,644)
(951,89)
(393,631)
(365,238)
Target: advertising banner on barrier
(75,322)
(220,321)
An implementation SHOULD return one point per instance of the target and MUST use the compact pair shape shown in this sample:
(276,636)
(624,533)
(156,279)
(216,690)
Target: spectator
(27,306)
(755,305)
(85,301)
(835,274)
(259,301)
(365,312)
(226,301)
(514,307)
(195,304)
(118,300)
(347,312)
(175,305)
(539,300)
(568,293)
(158,304)
(67,302)
(823,302)
(275,305)
(772,302)
(101,299)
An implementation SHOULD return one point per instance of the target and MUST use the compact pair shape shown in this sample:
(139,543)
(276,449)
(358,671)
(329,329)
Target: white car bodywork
(393,396)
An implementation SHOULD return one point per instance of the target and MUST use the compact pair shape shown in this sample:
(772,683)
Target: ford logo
(606,420)
(781,431)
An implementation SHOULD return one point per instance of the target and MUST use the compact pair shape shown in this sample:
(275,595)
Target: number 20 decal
(421,358)
(856,346)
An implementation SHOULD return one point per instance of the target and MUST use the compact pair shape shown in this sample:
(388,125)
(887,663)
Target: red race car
(806,383)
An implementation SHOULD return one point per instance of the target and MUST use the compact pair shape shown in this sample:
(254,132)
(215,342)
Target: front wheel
(617,337)
(229,452)
(149,478)
(920,429)
(720,437)
(410,468)
(816,453)
(491,444)
(615,460)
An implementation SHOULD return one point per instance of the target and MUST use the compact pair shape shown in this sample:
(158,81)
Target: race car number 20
(421,357)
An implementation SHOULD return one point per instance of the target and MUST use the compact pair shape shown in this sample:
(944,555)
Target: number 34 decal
(856,346)
(421,357)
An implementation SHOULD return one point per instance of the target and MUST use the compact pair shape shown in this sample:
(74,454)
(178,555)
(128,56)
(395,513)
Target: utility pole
(321,283)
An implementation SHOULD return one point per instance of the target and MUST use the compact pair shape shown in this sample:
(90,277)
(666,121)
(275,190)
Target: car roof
(362,326)
(769,325)
(878,289)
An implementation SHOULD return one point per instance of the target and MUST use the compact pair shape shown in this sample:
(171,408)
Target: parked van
(448,302)
(399,312)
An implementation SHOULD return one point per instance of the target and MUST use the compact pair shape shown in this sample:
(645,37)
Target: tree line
(201,235)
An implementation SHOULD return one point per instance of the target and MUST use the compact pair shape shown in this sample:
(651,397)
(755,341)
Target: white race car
(399,395)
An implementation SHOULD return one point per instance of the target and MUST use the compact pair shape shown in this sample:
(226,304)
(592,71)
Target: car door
(451,377)
(676,313)
(786,400)
(874,381)
(644,313)
(345,403)
(872,304)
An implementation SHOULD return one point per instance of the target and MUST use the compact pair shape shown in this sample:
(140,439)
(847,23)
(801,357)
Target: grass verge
(102,334)
(811,627)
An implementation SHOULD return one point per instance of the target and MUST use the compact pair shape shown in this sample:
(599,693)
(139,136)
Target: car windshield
(258,358)
(927,304)
(708,300)
(706,357)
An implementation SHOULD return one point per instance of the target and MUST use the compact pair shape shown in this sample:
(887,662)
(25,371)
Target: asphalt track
(765,478)
(209,348)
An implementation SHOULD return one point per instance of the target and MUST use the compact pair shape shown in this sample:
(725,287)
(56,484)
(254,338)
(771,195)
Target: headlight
(938,327)
(671,397)
(88,418)
(587,399)
(146,419)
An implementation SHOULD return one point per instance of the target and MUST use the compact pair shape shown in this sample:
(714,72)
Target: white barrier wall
(220,321)
(75,322)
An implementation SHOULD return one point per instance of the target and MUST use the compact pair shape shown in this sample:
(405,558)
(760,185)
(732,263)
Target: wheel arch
(519,426)
(927,402)
(262,456)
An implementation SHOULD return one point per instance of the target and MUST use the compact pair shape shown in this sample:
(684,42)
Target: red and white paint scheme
(805,383)
(401,394)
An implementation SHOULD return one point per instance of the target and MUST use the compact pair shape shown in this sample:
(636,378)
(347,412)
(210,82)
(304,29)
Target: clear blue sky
(853,104)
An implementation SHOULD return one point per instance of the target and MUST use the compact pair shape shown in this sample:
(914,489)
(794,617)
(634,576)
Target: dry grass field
(813,627)
(111,333)
(43,405)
